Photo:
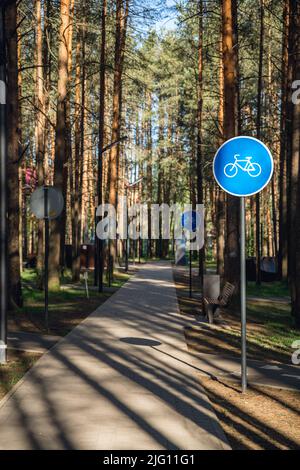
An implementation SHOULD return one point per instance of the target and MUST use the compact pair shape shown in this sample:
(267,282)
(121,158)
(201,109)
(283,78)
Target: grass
(278,330)
(66,278)
(275,316)
(211,264)
(268,289)
(18,364)
(270,333)
(262,418)
(144,260)
(67,307)
(271,327)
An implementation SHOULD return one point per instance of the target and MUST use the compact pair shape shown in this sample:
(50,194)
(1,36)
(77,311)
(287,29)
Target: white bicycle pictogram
(244,164)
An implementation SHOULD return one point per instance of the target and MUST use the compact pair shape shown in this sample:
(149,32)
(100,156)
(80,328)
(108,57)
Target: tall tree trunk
(67,177)
(47,62)
(15,292)
(294,183)
(289,141)
(199,157)
(236,52)
(57,225)
(99,244)
(258,134)
(76,210)
(220,219)
(296,157)
(84,147)
(160,158)
(232,265)
(283,239)
(22,163)
(149,145)
(296,299)
(40,125)
(120,38)
(67,172)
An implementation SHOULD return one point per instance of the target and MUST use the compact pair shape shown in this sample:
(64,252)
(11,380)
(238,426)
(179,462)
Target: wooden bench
(212,306)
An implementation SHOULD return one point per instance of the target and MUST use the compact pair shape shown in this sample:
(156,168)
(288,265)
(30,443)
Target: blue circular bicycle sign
(243,166)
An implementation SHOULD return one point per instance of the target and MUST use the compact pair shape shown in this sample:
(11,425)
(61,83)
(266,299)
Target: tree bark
(22,164)
(220,209)
(149,144)
(120,38)
(258,134)
(14,275)
(283,239)
(47,62)
(294,183)
(67,171)
(232,265)
(57,225)
(296,169)
(76,209)
(99,243)
(39,131)
(199,157)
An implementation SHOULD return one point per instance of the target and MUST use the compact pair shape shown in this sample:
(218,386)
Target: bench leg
(217,312)
(210,314)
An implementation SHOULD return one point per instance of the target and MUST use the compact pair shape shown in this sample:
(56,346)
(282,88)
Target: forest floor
(271,329)
(19,362)
(67,307)
(263,418)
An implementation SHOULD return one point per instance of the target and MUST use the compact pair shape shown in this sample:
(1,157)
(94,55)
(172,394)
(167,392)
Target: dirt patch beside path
(263,418)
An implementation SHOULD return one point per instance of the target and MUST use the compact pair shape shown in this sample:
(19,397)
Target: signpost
(46,203)
(3,196)
(243,166)
(190,221)
(3,186)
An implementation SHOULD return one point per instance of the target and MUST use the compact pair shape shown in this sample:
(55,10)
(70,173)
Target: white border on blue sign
(271,158)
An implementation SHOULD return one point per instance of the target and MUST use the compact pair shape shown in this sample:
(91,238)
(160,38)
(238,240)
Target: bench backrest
(226,294)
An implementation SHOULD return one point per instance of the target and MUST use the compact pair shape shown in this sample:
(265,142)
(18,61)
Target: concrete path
(121,380)
(31,342)
(267,374)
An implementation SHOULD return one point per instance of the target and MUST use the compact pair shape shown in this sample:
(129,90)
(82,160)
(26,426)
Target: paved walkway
(31,342)
(121,380)
(268,374)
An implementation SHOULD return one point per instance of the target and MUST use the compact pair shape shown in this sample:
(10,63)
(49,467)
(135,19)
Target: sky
(169,21)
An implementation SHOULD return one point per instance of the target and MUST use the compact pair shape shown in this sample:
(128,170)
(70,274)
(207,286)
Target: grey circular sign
(55,202)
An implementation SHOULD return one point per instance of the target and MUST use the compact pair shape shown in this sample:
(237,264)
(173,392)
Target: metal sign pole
(99,252)
(243,166)
(243,295)
(109,264)
(46,203)
(100,267)
(46,217)
(86,278)
(96,253)
(191,282)
(3,196)
(127,233)
(126,255)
